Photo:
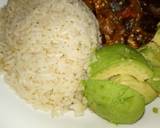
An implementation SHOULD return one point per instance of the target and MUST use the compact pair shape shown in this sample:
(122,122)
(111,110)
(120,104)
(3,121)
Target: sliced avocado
(114,102)
(119,59)
(155,85)
(142,87)
(130,67)
(155,81)
(151,52)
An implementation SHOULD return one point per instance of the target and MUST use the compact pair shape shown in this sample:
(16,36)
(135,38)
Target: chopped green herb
(155,110)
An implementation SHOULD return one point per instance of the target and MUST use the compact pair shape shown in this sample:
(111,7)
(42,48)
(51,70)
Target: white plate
(15,113)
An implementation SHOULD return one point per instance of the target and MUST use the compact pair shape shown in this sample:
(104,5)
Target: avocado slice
(155,85)
(151,52)
(142,87)
(119,59)
(155,81)
(114,102)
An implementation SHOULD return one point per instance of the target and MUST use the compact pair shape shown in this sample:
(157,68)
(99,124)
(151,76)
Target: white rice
(47,52)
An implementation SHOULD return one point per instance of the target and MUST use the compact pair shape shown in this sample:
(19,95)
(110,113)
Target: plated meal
(69,55)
